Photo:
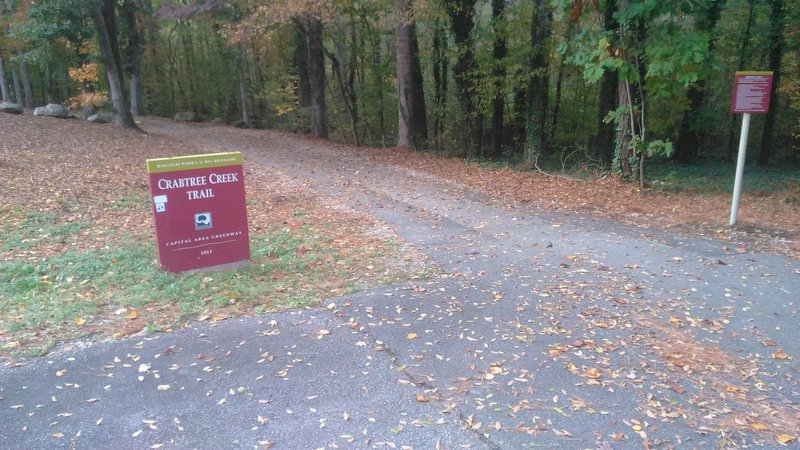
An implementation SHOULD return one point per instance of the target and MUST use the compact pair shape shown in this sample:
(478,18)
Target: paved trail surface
(543,330)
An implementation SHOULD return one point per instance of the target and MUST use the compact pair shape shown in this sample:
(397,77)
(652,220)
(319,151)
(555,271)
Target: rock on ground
(52,110)
(10,108)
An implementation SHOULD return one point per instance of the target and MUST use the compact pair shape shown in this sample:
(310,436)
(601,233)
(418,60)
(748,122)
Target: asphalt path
(539,330)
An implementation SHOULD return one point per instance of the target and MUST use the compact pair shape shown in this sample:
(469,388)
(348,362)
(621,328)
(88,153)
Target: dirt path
(766,223)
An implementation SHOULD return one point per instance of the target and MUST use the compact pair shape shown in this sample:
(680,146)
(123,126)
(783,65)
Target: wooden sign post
(751,95)
(199,207)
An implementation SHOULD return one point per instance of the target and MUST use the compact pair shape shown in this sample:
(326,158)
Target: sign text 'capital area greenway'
(199,207)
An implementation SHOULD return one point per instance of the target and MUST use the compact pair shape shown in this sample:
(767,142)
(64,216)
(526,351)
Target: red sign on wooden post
(199,207)
(751,92)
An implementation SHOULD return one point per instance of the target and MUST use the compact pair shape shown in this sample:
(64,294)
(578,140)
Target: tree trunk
(379,77)
(412,125)
(609,85)
(26,84)
(311,26)
(17,88)
(689,138)
(462,21)
(3,83)
(539,83)
(242,72)
(559,83)
(102,12)
(135,51)
(301,65)
(776,44)
(499,51)
(440,71)
(49,96)
(625,130)
(346,89)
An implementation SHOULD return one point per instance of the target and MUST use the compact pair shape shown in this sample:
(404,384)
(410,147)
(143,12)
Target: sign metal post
(751,94)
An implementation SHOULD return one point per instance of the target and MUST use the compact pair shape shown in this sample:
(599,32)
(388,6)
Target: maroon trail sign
(199,207)
(751,92)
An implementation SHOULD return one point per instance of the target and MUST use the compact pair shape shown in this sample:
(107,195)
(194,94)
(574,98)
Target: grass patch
(23,230)
(73,293)
(718,177)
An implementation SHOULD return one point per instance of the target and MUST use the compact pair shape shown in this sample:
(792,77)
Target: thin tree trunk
(3,83)
(349,105)
(412,126)
(311,26)
(379,79)
(559,82)
(49,96)
(776,44)
(192,99)
(105,25)
(539,83)
(440,71)
(26,84)
(625,129)
(242,71)
(499,51)
(135,49)
(462,21)
(17,88)
(604,142)
(301,65)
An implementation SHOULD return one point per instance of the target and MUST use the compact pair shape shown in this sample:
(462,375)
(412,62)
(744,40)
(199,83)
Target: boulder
(101,117)
(10,108)
(185,116)
(52,110)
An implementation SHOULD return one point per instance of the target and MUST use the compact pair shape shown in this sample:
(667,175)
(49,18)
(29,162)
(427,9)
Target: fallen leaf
(411,336)
(422,398)
(592,373)
(785,438)
(675,387)
(758,426)
(132,314)
(80,321)
(781,355)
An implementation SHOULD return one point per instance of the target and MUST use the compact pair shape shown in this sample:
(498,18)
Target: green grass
(51,293)
(21,230)
(719,176)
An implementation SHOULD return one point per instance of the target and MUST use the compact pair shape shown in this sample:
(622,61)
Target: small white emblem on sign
(202,221)
(161,203)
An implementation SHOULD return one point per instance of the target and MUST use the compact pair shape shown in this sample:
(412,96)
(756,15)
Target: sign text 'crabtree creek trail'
(199,207)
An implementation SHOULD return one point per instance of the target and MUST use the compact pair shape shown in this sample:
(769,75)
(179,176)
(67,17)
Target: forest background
(587,85)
